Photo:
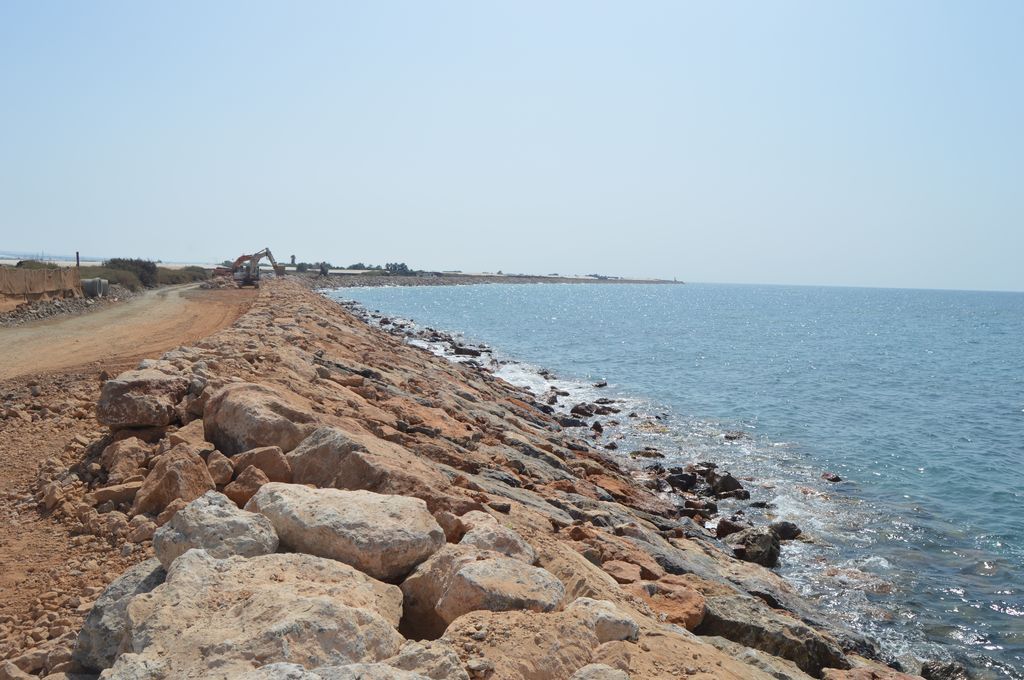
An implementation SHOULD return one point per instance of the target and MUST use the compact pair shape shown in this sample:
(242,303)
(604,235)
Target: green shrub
(145,270)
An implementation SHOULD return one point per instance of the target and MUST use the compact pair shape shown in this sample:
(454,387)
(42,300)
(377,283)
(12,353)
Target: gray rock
(140,398)
(366,671)
(599,671)
(493,536)
(746,621)
(214,523)
(104,630)
(759,545)
(944,670)
(608,622)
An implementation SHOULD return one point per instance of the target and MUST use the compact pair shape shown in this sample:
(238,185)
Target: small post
(78,262)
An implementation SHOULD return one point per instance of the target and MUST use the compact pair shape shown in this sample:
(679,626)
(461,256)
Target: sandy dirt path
(49,383)
(143,327)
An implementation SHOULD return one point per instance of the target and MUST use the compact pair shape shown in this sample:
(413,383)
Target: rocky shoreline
(311,497)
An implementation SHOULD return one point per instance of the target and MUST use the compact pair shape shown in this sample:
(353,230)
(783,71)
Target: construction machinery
(245,271)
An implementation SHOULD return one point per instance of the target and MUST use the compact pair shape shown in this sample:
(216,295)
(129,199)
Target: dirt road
(143,327)
(48,389)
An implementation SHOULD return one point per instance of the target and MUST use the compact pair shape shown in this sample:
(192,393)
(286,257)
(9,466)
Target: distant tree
(144,269)
(357,265)
(302,267)
(293,259)
(397,268)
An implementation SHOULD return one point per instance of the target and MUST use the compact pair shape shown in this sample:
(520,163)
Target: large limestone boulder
(384,536)
(460,578)
(331,457)
(214,523)
(140,398)
(747,622)
(224,618)
(106,627)
(244,416)
(178,474)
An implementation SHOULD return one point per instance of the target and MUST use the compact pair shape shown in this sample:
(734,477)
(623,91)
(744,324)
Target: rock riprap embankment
(324,500)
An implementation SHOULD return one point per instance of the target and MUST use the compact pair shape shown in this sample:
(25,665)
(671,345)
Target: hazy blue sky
(857,143)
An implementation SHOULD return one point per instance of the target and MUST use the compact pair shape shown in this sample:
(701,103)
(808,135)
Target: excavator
(245,270)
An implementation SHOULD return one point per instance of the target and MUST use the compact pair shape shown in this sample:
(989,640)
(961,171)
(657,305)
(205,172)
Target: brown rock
(270,459)
(220,467)
(332,457)
(676,603)
(117,493)
(179,473)
(243,416)
(622,572)
(125,458)
(246,486)
(193,434)
(170,511)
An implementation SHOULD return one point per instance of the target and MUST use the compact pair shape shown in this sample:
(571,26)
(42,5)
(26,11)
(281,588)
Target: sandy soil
(48,388)
(143,327)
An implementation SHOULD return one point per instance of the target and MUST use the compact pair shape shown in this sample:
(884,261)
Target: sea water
(915,398)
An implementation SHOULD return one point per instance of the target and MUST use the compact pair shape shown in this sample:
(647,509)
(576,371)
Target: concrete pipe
(95,287)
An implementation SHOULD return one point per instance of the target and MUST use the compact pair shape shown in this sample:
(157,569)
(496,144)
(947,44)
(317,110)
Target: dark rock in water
(727,527)
(571,422)
(561,393)
(682,481)
(724,483)
(738,494)
(604,401)
(944,670)
(831,477)
(787,531)
(634,414)
(760,545)
(466,351)
(597,427)
(710,506)
(761,504)
(553,399)
(611,446)
(582,410)
(733,436)
(546,409)
(603,383)
(647,452)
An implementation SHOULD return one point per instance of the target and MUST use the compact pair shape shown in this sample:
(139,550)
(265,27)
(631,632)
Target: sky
(843,143)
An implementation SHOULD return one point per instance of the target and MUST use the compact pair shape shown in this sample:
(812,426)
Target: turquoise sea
(915,398)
